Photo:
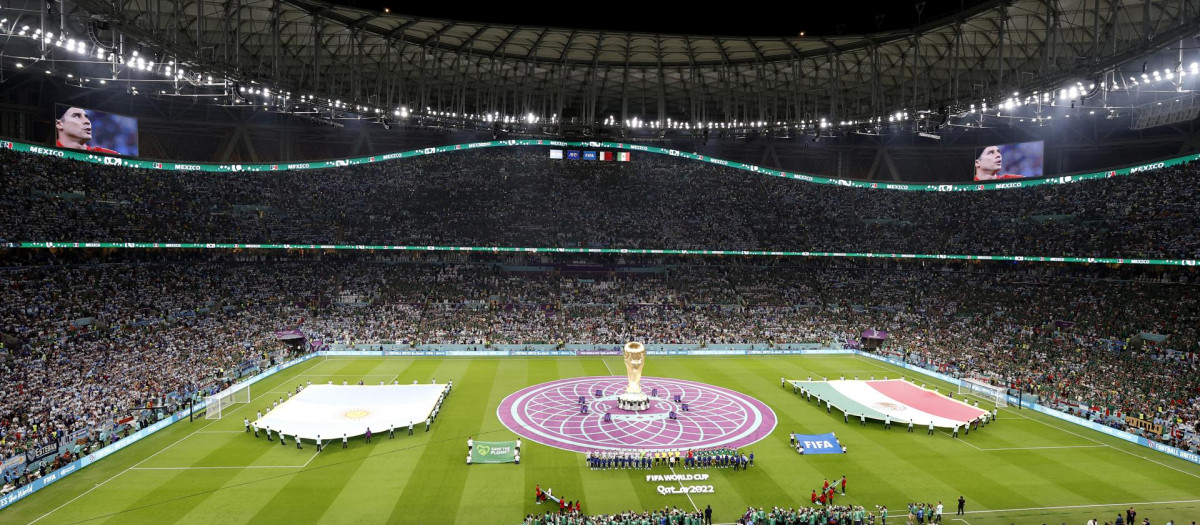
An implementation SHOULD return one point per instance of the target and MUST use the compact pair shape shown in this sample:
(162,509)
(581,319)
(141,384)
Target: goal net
(217,403)
(981,388)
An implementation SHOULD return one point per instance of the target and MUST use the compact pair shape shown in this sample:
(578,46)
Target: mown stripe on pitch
(497,493)
(433,493)
(312,492)
(550,467)
(183,490)
(753,487)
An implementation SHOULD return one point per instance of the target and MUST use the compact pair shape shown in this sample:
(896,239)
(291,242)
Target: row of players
(646,459)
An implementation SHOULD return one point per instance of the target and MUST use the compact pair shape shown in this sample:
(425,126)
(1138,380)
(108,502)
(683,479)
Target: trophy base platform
(634,402)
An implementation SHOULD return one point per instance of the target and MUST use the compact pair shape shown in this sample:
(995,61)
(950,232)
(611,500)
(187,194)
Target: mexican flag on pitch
(896,399)
(494,452)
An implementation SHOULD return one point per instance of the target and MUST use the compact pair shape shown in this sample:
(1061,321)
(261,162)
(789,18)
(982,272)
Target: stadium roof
(392,60)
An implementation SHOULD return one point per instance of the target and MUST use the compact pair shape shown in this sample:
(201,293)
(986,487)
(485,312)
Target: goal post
(981,388)
(216,404)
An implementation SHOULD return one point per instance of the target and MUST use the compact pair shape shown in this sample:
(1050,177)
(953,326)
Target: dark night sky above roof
(814,18)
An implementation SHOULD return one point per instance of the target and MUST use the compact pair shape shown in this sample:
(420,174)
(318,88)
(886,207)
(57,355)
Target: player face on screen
(988,164)
(74,128)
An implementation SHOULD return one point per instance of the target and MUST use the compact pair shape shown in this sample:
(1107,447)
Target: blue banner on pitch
(818,444)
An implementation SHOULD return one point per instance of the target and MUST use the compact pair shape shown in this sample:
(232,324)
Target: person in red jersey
(73,130)
(989,164)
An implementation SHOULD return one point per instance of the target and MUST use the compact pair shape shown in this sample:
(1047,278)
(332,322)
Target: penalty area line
(135,465)
(115,476)
(314,456)
(1101,443)
(951,435)
(605,361)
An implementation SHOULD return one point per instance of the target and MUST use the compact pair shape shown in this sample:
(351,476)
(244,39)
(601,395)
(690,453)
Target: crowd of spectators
(816,515)
(519,197)
(668,515)
(90,345)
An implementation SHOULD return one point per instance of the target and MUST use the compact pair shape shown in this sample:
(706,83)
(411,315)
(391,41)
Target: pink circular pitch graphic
(549,413)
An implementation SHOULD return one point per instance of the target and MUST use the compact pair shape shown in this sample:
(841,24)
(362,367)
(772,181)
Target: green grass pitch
(1024,469)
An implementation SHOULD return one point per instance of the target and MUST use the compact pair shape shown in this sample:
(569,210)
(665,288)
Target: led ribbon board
(634,251)
(339,163)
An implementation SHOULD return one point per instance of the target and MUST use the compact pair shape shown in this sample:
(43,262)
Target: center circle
(549,413)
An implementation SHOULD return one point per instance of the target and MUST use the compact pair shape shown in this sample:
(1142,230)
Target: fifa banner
(818,443)
(494,452)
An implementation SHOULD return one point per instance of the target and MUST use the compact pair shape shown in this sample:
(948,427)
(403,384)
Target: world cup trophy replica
(633,398)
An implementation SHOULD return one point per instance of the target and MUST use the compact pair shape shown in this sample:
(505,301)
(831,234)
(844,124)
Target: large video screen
(1010,161)
(97,131)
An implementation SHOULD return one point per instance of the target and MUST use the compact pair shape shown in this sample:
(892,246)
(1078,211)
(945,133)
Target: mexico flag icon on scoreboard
(623,156)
